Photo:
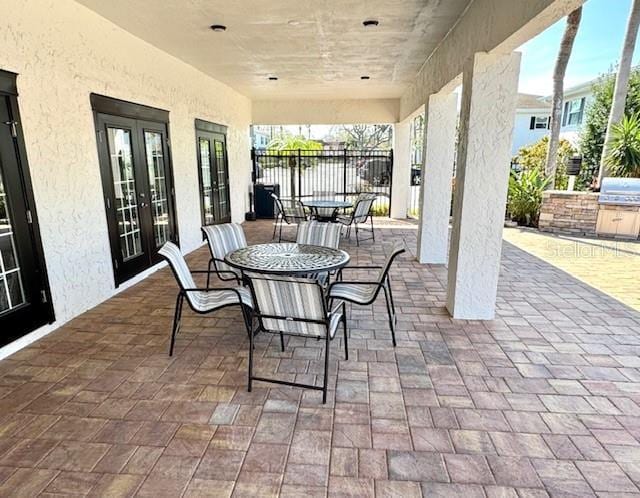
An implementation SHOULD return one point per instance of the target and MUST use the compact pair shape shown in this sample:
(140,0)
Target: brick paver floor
(612,266)
(541,401)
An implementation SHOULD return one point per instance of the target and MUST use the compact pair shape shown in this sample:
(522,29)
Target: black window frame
(45,313)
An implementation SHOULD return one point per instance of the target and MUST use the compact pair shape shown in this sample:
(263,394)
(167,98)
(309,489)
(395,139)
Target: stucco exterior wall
(63,52)
(275,112)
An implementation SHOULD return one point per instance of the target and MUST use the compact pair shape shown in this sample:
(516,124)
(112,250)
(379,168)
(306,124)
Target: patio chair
(359,216)
(295,307)
(201,300)
(365,292)
(289,211)
(324,213)
(317,233)
(222,239)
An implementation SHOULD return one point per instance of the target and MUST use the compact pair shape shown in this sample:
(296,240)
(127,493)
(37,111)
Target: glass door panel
(222,181)
(204,159)
(158,192)
(125,194)
(11,288)
(213,173)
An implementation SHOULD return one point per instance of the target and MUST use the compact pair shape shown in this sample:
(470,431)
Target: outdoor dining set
(287,288)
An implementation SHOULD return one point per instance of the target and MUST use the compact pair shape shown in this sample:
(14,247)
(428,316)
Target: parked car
(377,172)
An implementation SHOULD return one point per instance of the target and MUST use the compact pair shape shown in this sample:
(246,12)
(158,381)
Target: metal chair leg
(209,272)
(344,329)
(247,315)
(280,235)
(326,370)
(393,306)
(282,341)
(177,315)
(249,382)
(357,240)
(275,226)
(373,235)
(391,314)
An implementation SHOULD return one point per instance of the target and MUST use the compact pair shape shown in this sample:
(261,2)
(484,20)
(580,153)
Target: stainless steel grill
(620,191)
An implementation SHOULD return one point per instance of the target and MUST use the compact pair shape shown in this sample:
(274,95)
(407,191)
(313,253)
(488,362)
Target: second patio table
(315,203)
(326,203)
(287,259)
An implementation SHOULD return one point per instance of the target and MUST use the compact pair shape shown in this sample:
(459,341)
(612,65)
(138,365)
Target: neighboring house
(533,114)
(261,136)
(333,143)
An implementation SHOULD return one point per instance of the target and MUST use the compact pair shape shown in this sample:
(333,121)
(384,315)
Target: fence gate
(300,174)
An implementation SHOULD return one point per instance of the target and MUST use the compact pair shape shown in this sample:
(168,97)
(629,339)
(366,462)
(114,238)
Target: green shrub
(596,118)
(525,196)
(623,158)
(533,157)
(380,207)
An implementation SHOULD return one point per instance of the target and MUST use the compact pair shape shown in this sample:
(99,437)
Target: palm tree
(566,45)
(622,84)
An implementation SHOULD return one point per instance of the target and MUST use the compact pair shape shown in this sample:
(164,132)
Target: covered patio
(125,129)
(542,400)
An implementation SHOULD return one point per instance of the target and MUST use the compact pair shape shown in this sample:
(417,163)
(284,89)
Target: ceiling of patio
(317,49)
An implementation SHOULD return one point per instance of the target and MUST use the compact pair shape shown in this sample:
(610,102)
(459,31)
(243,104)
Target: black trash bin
(264,205)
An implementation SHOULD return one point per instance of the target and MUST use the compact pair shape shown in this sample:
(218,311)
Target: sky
(596,48)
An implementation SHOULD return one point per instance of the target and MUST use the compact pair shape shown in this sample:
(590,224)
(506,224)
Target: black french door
(138,188)
(24,292)
(213,167)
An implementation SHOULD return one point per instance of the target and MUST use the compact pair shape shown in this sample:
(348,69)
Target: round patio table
(287,259)
(315,204)
(327,204)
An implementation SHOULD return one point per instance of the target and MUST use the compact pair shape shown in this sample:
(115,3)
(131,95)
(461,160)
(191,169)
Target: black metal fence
(347,172)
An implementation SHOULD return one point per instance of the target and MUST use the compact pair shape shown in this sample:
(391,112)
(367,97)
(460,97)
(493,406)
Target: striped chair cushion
(356,293)
(174,257)
(204,301)
(294,210)
(290,298)
(290,209)
(363,206)
(316,233)
(365,293)
(201,300)
(223,239)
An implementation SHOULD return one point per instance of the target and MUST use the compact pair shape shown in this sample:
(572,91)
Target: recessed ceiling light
(370,23)
(365,77)
(293,22)
(273,78)
(218,27)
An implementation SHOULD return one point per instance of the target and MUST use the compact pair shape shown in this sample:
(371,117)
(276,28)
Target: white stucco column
(490,85)
(401,169)
(437,172)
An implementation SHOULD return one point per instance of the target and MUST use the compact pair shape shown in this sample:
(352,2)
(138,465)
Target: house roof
(531,101)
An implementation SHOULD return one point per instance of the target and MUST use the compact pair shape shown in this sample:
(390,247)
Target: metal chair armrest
(207,289)
(356,282)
